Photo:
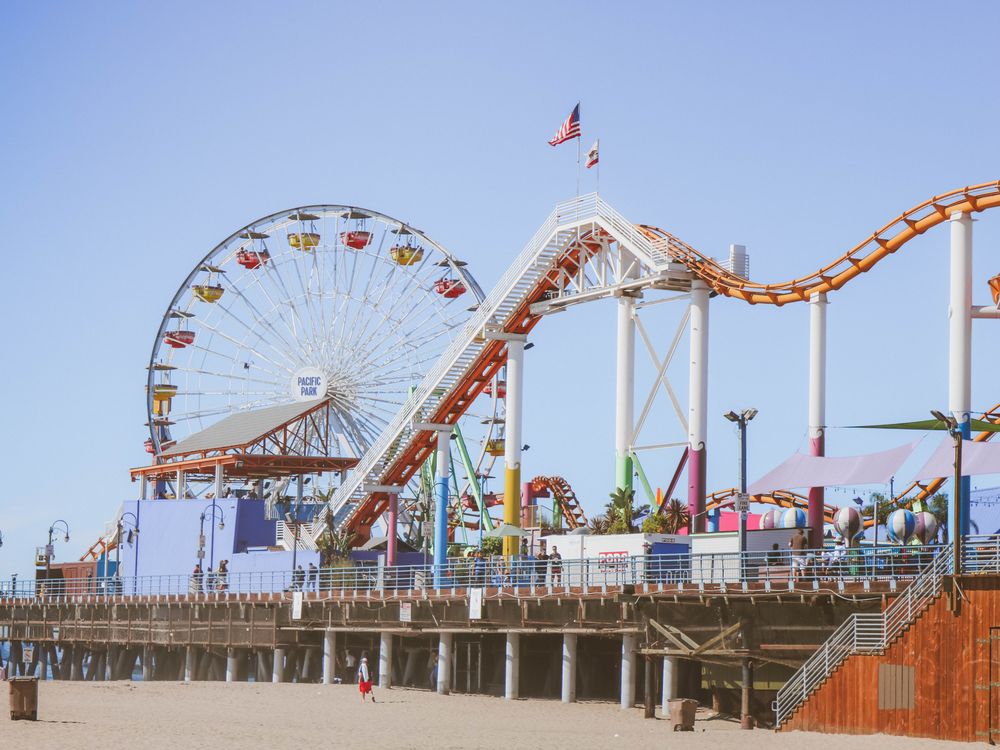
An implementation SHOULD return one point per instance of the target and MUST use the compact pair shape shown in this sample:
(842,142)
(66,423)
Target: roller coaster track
(856,261)
(463,371)
(565,497)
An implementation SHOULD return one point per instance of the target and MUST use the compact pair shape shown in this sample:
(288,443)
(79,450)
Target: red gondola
(251,259)
(149,446)
(357,239)
(449,288)
(501,389)
(178,339)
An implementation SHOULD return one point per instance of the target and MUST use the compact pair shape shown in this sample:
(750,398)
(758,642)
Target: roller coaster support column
(698,405)
(440,498)
(512,437)
(817,410)
(391,515)
(625,393)
(960,344)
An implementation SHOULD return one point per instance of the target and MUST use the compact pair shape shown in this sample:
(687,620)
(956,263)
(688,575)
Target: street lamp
(49,551)
(201,534)
(741,420)
(951,424)
(118,548)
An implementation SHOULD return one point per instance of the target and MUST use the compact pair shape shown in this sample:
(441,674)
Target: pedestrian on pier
(298,579)
(798,544)
(313,571)
(541,566)
(222,576)
(194,583)
(365,680)
(556,559)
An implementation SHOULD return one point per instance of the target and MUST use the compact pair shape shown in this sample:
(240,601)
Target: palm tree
(623,512)
(677,516)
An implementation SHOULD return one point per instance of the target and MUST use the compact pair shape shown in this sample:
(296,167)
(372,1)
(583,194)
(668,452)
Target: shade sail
(975,425)
(977,458)
(820,471)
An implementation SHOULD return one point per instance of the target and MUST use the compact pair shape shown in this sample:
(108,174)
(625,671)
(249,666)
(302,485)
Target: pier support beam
(817,410)
(512,665)
(278,673)
(232,664)
(960,351)
(628,671)
(698,406)
(444,664)
(329,656)
(189,664)
(669,687)
(746,695)
(147,663)
(569,668)
(385,661)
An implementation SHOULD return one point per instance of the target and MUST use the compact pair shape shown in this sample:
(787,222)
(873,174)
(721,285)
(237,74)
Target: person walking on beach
(349,662)
(365,680)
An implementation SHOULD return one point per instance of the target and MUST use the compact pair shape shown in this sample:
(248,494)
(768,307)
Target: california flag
(593,155)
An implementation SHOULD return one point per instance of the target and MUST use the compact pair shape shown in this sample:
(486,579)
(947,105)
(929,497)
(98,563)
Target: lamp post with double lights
(951,424)
(49,550)
(132,533)
(741,421)
(210,512)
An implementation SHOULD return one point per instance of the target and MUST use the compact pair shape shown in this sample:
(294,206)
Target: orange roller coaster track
(856,261)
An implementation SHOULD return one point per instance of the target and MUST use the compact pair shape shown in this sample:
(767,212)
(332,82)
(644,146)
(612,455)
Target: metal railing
(772,569)
(873,633)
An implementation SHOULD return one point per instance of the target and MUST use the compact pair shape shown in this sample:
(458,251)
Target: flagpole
(579,138)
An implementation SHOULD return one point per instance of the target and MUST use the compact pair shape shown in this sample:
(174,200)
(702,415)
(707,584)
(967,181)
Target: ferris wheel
(326,300)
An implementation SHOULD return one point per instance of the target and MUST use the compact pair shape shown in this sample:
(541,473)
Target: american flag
(569,129)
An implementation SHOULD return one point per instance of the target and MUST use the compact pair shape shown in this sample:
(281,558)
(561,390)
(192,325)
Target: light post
(49,549)
(741,421)
(118,549)
(951,424)
(201,534)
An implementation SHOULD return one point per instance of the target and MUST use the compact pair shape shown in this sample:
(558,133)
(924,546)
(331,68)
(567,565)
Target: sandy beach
(215,715)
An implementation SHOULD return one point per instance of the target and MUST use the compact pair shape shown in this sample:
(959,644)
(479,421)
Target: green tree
(622,512)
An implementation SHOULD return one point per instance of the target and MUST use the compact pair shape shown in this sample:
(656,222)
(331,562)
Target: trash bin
(23,698)
(682,713)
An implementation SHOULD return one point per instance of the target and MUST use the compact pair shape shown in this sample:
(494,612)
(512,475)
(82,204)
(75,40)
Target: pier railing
(774,569)
(865,633)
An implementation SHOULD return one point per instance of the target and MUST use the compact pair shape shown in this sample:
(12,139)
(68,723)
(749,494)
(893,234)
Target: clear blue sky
(135,136)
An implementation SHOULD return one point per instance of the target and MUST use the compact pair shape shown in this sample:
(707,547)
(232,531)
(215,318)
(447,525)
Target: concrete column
(628,671)
(698,405)
(392,519)
(278,674)
(329,656)
(181,484)
(232,664)
(143,487)
(512,443)
(189,664)
(220,478)
(512,666)
(624,393)
(147,663)
(441,507)
(569,668)
(960,347)
(385,661)
(444,664)
(817,410)
(669,687)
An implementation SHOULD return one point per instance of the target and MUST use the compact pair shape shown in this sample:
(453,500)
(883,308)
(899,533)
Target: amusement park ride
(340,344)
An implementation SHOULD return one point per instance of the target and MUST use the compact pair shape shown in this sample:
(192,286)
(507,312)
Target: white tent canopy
(801,471)
(977,458)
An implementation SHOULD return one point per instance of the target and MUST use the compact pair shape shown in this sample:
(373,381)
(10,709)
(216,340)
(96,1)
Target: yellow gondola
(208,292)
(496,446)
(303,240)
(407,255)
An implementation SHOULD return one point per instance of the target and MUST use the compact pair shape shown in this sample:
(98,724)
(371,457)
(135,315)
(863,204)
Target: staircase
(380,465)
(864,633)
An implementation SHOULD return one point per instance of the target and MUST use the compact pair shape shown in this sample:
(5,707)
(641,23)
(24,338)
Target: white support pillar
(444,664)
(669,682)
(624,393)
(385,661)
(569,668)
(189,664)
(698,405)
(512,666)
(220,478)
(278,673)
(817,409)
(628,671)
(329,656)
(143,488)
(232,664)
(147,663)
(960,346)
(514,405)
(181,484)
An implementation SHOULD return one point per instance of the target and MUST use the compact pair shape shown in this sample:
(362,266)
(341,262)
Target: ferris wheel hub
(309,383)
